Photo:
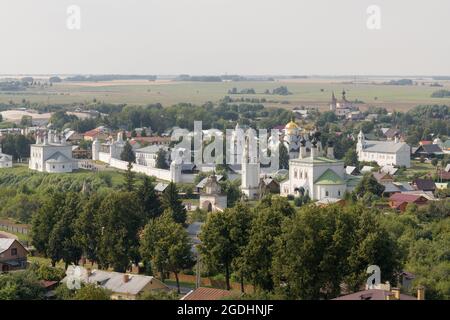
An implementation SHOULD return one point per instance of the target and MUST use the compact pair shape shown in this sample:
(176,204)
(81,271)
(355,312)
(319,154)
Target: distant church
(52,154)
(343,107)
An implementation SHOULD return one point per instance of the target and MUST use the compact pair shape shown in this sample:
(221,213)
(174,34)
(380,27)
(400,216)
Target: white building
(52,154)
(314,174)
(5,160)
(395,153)
(250,166)
(147,156)
(211,197)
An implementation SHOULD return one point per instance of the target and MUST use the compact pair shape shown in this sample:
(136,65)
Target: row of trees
(303,254)
(113,229)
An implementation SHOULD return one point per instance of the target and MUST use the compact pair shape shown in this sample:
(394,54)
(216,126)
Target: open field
(308,92)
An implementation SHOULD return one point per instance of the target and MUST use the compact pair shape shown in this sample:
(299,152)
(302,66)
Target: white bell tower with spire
(250,166)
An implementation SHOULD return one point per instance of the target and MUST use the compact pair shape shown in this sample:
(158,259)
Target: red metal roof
(207,294)
(402,197)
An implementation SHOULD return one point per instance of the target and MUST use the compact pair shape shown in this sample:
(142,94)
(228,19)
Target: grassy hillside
(21,177)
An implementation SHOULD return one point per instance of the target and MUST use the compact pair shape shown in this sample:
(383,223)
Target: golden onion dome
(291,126)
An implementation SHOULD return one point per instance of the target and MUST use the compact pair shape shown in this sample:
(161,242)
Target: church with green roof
(316,173)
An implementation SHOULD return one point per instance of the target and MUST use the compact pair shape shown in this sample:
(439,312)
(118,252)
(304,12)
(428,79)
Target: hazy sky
(225,36)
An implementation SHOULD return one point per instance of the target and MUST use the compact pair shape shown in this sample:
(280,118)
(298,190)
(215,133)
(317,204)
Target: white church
(384,153)
(52,154)
(316,174)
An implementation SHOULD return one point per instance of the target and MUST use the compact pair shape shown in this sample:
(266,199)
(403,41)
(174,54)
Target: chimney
(313,150)
(330,152)
(421,293)
(396,293)
(126,278)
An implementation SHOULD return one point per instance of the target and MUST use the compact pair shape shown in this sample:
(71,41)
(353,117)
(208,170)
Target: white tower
(237,138)
(175,171)
(250,166)
(96,150)
(361,143)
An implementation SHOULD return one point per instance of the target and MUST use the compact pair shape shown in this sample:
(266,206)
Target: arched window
(327,193)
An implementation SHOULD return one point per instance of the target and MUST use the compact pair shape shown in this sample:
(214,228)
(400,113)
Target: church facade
(384,153)
(316,174)
(52,154)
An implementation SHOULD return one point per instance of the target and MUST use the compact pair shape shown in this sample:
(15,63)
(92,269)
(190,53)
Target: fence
(209,282)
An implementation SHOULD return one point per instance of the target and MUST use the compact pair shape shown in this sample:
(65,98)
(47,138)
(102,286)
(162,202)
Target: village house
(100,133)
(428,151)
(383,294)
(13,255)
(399,201)
(123,286)
(424,185)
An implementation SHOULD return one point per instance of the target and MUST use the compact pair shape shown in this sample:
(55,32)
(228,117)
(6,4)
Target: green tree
(44,220)
(284,156)
(266,226)
(351,158)
(87,227)
(368,184)
(62,243)
(171,201)
(119,224)
(129,178)
(161,162)
(149,200)
(92,292)
(218,249)
(20,285)
(241,218)
(165,245)
(128,153)
(26,121)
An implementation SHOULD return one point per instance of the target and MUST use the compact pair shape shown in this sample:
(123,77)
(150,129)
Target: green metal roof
(316,160)
(329,177)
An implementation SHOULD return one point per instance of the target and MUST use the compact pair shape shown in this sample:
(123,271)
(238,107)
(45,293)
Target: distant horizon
(278,75)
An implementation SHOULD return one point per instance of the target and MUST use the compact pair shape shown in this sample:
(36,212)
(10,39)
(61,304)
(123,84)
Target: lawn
(417,169)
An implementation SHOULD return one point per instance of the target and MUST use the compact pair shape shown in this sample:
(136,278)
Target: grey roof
(385,146)
(389,169)
(367,169)
(202,183)
(5,243)
(389,187)
(350,169)
(5,157)
(58,157)
(151,149)
(114,281)
(429,149)
(404,186)
(161,186)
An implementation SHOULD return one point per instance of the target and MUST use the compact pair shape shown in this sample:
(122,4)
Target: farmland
(307,92)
